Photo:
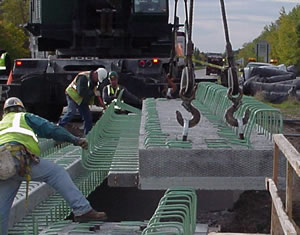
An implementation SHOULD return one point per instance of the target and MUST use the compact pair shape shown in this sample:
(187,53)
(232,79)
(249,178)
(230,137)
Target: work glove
(82,142)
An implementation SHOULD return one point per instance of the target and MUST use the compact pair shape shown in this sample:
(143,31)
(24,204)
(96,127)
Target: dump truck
(132,37)
(214,58)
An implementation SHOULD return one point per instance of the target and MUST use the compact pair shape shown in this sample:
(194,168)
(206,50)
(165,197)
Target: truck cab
(132,37)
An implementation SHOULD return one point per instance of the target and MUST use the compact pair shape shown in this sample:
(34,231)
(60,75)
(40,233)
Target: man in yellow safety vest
(80,94)
(20,161)
(112,91)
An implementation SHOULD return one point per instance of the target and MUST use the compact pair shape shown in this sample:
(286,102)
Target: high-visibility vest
(2,61)
(13,128)
(111,91)
(71,90)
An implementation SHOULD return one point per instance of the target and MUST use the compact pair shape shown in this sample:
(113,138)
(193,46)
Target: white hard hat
(13,104)
(102,74)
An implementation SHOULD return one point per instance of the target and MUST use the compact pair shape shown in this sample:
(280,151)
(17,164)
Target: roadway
(201,76)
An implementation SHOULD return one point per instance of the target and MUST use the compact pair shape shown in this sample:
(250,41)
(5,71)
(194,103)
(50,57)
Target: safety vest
(71,90)
(2,61)
(13,128)
(111,91)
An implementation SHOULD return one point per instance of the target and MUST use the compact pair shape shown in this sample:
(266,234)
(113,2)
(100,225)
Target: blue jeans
(50,173)
(84,111)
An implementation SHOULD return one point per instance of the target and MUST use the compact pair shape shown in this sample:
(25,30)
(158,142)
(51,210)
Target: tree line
(13,37)
(283,36)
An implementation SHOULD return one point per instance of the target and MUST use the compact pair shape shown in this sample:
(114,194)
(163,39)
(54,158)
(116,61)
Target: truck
(214,58)
(131,37)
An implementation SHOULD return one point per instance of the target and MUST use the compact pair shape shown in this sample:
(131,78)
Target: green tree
(198,55)
(298,34)
(13,37)
(288,48)
(283,37)
(15,11)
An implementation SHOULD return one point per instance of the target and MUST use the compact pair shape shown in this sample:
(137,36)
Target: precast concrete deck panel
(234,167)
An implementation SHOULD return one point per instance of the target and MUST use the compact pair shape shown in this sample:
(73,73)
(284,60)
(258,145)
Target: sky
(246,20)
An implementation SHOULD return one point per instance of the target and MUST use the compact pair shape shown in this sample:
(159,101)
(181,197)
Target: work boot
(90,216)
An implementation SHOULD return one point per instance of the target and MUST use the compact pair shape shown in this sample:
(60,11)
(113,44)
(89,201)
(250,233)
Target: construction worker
(80,94)
(5,63)
(112,90)
(19,161)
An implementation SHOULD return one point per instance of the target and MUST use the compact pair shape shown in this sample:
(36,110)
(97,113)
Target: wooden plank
(289,151)
(289,191)
(286,225)
(275,223)
(275,163)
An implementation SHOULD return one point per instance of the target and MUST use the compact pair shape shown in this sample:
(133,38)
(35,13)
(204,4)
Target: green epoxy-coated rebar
(175,214)
(113,145)
(213,102)
(113,142)
(55,204)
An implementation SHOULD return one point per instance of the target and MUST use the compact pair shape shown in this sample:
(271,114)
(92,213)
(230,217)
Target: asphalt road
(201,76)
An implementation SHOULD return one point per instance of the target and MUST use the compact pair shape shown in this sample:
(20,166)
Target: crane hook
(187,104)
(231,120)
(187,97)
(192,122)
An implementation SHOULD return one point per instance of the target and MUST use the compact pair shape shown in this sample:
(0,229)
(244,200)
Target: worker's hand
(82,142)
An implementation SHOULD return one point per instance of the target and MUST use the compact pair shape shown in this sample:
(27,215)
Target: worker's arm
(45,129)
(131,99)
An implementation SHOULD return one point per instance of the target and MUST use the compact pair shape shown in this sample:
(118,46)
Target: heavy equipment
(132,37)
(214,58)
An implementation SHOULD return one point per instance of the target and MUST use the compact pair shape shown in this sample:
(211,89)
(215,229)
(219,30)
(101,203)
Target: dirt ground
(250,214)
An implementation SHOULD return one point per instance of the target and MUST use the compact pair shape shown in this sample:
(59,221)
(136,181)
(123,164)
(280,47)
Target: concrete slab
(235,168)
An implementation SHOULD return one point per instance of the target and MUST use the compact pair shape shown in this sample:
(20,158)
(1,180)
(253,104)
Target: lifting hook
(192,122)
(187,83)
(187,104)
(237,122)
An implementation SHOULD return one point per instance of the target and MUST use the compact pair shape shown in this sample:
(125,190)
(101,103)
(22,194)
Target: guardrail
(282,216)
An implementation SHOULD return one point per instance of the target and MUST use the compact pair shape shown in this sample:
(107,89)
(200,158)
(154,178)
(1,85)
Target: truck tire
(50,112)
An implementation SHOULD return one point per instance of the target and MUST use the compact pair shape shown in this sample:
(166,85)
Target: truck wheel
(49,112)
